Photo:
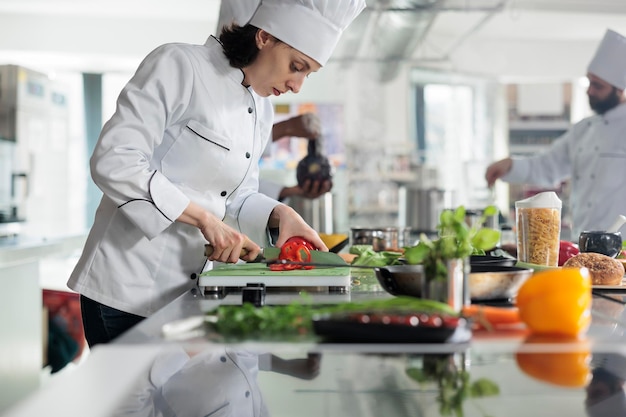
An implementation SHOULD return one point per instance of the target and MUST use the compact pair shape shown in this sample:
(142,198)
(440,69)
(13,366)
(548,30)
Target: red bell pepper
(295,249)
(566,251)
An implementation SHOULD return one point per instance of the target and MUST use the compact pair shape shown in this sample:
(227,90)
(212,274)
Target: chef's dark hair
(239,44)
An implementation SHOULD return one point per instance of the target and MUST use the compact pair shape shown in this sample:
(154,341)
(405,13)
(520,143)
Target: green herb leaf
(367,256)
(485,239)
(417,254)
(361,249)
(456,241)
(484,387)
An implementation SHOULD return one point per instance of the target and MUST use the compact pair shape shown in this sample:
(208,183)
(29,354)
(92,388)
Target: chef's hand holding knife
(228,244)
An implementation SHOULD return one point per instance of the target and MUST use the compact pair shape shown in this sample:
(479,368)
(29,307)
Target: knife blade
(270,253)
(266,255)
(319,264)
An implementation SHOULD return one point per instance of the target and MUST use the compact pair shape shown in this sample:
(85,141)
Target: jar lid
(547,199)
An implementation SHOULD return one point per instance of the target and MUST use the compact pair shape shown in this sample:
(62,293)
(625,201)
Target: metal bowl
(401,279)
(486,282)
(491,282)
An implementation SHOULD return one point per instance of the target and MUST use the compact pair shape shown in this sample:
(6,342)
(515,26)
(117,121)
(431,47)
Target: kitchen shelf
(374,209)
(535,125)
(530,135)
(520,150)
(377,172)
(398,177)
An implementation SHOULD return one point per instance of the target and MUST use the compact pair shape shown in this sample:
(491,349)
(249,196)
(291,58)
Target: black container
(606,243)
(482,260)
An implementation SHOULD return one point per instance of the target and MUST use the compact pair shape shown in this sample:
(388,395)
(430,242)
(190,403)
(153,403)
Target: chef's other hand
(498,170)
(306,125)
(228,244)
(290,223)
(310,189)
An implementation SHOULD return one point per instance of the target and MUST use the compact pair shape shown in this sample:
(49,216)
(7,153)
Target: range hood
(388,32)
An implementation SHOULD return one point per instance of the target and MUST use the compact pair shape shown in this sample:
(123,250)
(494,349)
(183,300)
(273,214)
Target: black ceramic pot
(606,243)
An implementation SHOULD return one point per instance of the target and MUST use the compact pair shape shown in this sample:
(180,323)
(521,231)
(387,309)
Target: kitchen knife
(266,254)
(344,264)
(270,254)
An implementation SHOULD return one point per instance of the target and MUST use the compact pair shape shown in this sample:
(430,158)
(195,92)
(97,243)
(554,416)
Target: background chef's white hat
(311,26)
(609,62)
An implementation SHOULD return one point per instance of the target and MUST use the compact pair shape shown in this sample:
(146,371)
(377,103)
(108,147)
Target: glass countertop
(493,374)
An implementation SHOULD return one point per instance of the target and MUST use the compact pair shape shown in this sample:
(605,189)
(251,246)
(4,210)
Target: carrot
(491,318)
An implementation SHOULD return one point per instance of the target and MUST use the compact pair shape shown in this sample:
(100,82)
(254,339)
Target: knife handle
(209,249)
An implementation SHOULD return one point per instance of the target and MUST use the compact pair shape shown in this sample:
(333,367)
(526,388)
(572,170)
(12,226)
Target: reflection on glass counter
(226,381)
(217,381)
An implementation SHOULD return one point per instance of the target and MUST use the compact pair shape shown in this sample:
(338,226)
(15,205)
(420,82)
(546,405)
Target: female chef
(178,161)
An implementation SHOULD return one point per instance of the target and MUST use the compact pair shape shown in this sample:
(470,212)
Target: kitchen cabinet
(34,117)
(530,137)
(533,124)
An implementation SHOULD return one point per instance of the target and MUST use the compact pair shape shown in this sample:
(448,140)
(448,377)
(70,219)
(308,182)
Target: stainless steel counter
(19,249)
(146,373)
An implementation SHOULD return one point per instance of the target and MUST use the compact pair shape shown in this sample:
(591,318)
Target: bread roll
(603,269)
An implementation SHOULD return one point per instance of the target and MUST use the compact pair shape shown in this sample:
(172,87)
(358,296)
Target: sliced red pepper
(295,249)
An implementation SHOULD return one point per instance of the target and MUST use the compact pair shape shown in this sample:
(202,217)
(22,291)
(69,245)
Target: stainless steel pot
(318,213)
(424,206)
(381,238)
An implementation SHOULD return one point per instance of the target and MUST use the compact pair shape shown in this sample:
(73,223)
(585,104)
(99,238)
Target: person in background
(306,125)
(592,154)
(178,162)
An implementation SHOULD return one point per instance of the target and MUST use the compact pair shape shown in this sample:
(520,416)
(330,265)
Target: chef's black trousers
(103,323)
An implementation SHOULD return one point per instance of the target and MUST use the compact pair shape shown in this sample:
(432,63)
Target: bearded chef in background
(592,154)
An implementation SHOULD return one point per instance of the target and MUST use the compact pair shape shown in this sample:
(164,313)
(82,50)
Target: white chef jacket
(216,382)
(593,155)
(185,129)
(270,188)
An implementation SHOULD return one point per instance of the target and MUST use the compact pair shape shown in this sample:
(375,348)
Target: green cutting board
(257,269)
(243,273)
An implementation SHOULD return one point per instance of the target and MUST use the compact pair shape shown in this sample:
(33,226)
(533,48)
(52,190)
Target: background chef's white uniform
(185,129)
(592,154)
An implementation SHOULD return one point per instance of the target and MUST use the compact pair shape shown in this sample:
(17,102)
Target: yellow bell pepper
(556,301)
(332,240)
